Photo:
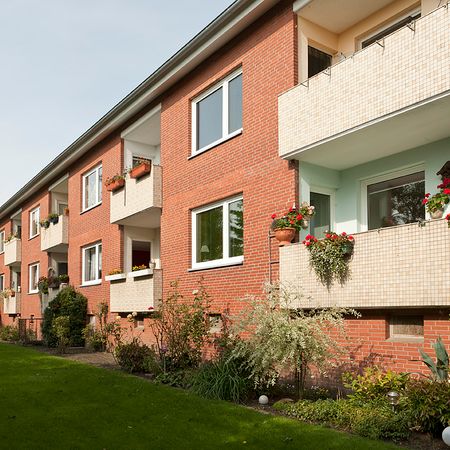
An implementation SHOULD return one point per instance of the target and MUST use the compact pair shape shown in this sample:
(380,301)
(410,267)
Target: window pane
(407,326)
(397,201)
(317,61)
(210,235)
(2,278)
(99,272)
(89,265)
(90,192)
(99,185)
(321,221)
(209,119)
(236,228)
(235,104)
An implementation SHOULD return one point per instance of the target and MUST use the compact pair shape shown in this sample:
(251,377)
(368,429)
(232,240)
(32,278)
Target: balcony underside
(149,218)
(412,127)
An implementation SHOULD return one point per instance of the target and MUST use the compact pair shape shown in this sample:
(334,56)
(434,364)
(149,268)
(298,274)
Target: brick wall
(246,164)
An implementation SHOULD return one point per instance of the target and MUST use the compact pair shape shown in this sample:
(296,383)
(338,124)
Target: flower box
(115,277)
(115,185)
(141,170)
(140,273)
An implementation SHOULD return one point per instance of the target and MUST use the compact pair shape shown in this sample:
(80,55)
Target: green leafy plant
(428,405)
(295,218)
(70,303)
(180,328)
(285,340)
(438,201)
(131,355)
(374,384)
(440,368)
(7,293)
(329,257)
(9,333)
(61,329)
(12,236)
(44,223)
(64,278)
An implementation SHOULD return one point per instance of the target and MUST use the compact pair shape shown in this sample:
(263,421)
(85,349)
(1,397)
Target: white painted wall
(133,148)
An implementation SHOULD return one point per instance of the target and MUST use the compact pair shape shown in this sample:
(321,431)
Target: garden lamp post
(393,398)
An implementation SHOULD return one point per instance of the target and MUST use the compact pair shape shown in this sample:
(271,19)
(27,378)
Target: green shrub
(9,333)
(94,339)
(69,303)
(428,403)
(152,364)
(176,378)
(61,329)
(224,379)
(375,421)
(131,355)
(373,384)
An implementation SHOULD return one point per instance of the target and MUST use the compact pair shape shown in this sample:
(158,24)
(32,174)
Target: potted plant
(53,218)
(44,223)
(435,204)
(141,167)
(115,183)
(141,267)
(295,219)
(63,278)
(11,237)
(43,285)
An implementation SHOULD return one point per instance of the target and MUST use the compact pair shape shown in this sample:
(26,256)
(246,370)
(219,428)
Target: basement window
(406,327)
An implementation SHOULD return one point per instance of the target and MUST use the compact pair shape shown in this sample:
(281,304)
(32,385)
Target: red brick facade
(246,164)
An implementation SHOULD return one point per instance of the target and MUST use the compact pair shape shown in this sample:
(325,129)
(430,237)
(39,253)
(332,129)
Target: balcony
(405,266)
(386,98)
(135,291)
(138,203)
(55,238)
(11,305)
(13,252)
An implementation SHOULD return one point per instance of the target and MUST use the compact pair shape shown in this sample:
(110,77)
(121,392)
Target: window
(321,221)
(92,264)
(396,201)
(140,254)
(317,61)
(217,114)
(34,222)
(406,327)
(33,279)
(217,234)
(390,29)
(2,241)
(2,282)
(92,188)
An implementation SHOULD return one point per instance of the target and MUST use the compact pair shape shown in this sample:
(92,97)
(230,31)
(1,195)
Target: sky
(64,64)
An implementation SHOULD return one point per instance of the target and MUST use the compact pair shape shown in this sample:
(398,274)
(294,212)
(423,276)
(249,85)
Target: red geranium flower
(299,217)
(291,209)
(424,201)
(447,191)
(308,243)
(440,186)
(351,238)
(273,216)
(308,237)
(343,233)
(427,195)
(328,236)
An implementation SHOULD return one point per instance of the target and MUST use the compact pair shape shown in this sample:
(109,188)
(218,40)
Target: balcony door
(322,221)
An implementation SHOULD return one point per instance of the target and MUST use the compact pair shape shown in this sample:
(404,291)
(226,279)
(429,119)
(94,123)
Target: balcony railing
(404,70)
(402,266)
(56,236)
(13,252)
(137,196)
(11,305)
(140,292)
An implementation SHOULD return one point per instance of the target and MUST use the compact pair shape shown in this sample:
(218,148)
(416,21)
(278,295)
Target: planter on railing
(141,170)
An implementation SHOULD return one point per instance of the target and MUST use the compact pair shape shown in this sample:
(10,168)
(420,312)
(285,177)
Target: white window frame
(225,122)
(2,241)
(226,260)
(85,282)
(30,285)
(33,213)
(385,176)
(2,282)
(98,195)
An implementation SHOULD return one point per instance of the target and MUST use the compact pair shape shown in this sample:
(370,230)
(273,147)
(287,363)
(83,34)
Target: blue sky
(66,63)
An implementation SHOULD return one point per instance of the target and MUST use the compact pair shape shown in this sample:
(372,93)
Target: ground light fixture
(446,436)
(263,400)
(393,398)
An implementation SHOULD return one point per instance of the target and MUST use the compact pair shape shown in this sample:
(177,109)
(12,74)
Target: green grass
(52,403)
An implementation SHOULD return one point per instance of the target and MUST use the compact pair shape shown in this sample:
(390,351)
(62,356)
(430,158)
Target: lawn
(53,403)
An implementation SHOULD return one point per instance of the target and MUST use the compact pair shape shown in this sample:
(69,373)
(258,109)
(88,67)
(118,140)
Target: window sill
(91,283)
(216,143)
(91,208)
(31,293)
(217,265)
(116,277)
(407,340)
(140,273)
(33,237)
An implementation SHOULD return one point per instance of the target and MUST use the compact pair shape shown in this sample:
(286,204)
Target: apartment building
(343,104)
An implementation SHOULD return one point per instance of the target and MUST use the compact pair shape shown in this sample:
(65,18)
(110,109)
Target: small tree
(180,328)
(284,339)
(69,303)
(61,329)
